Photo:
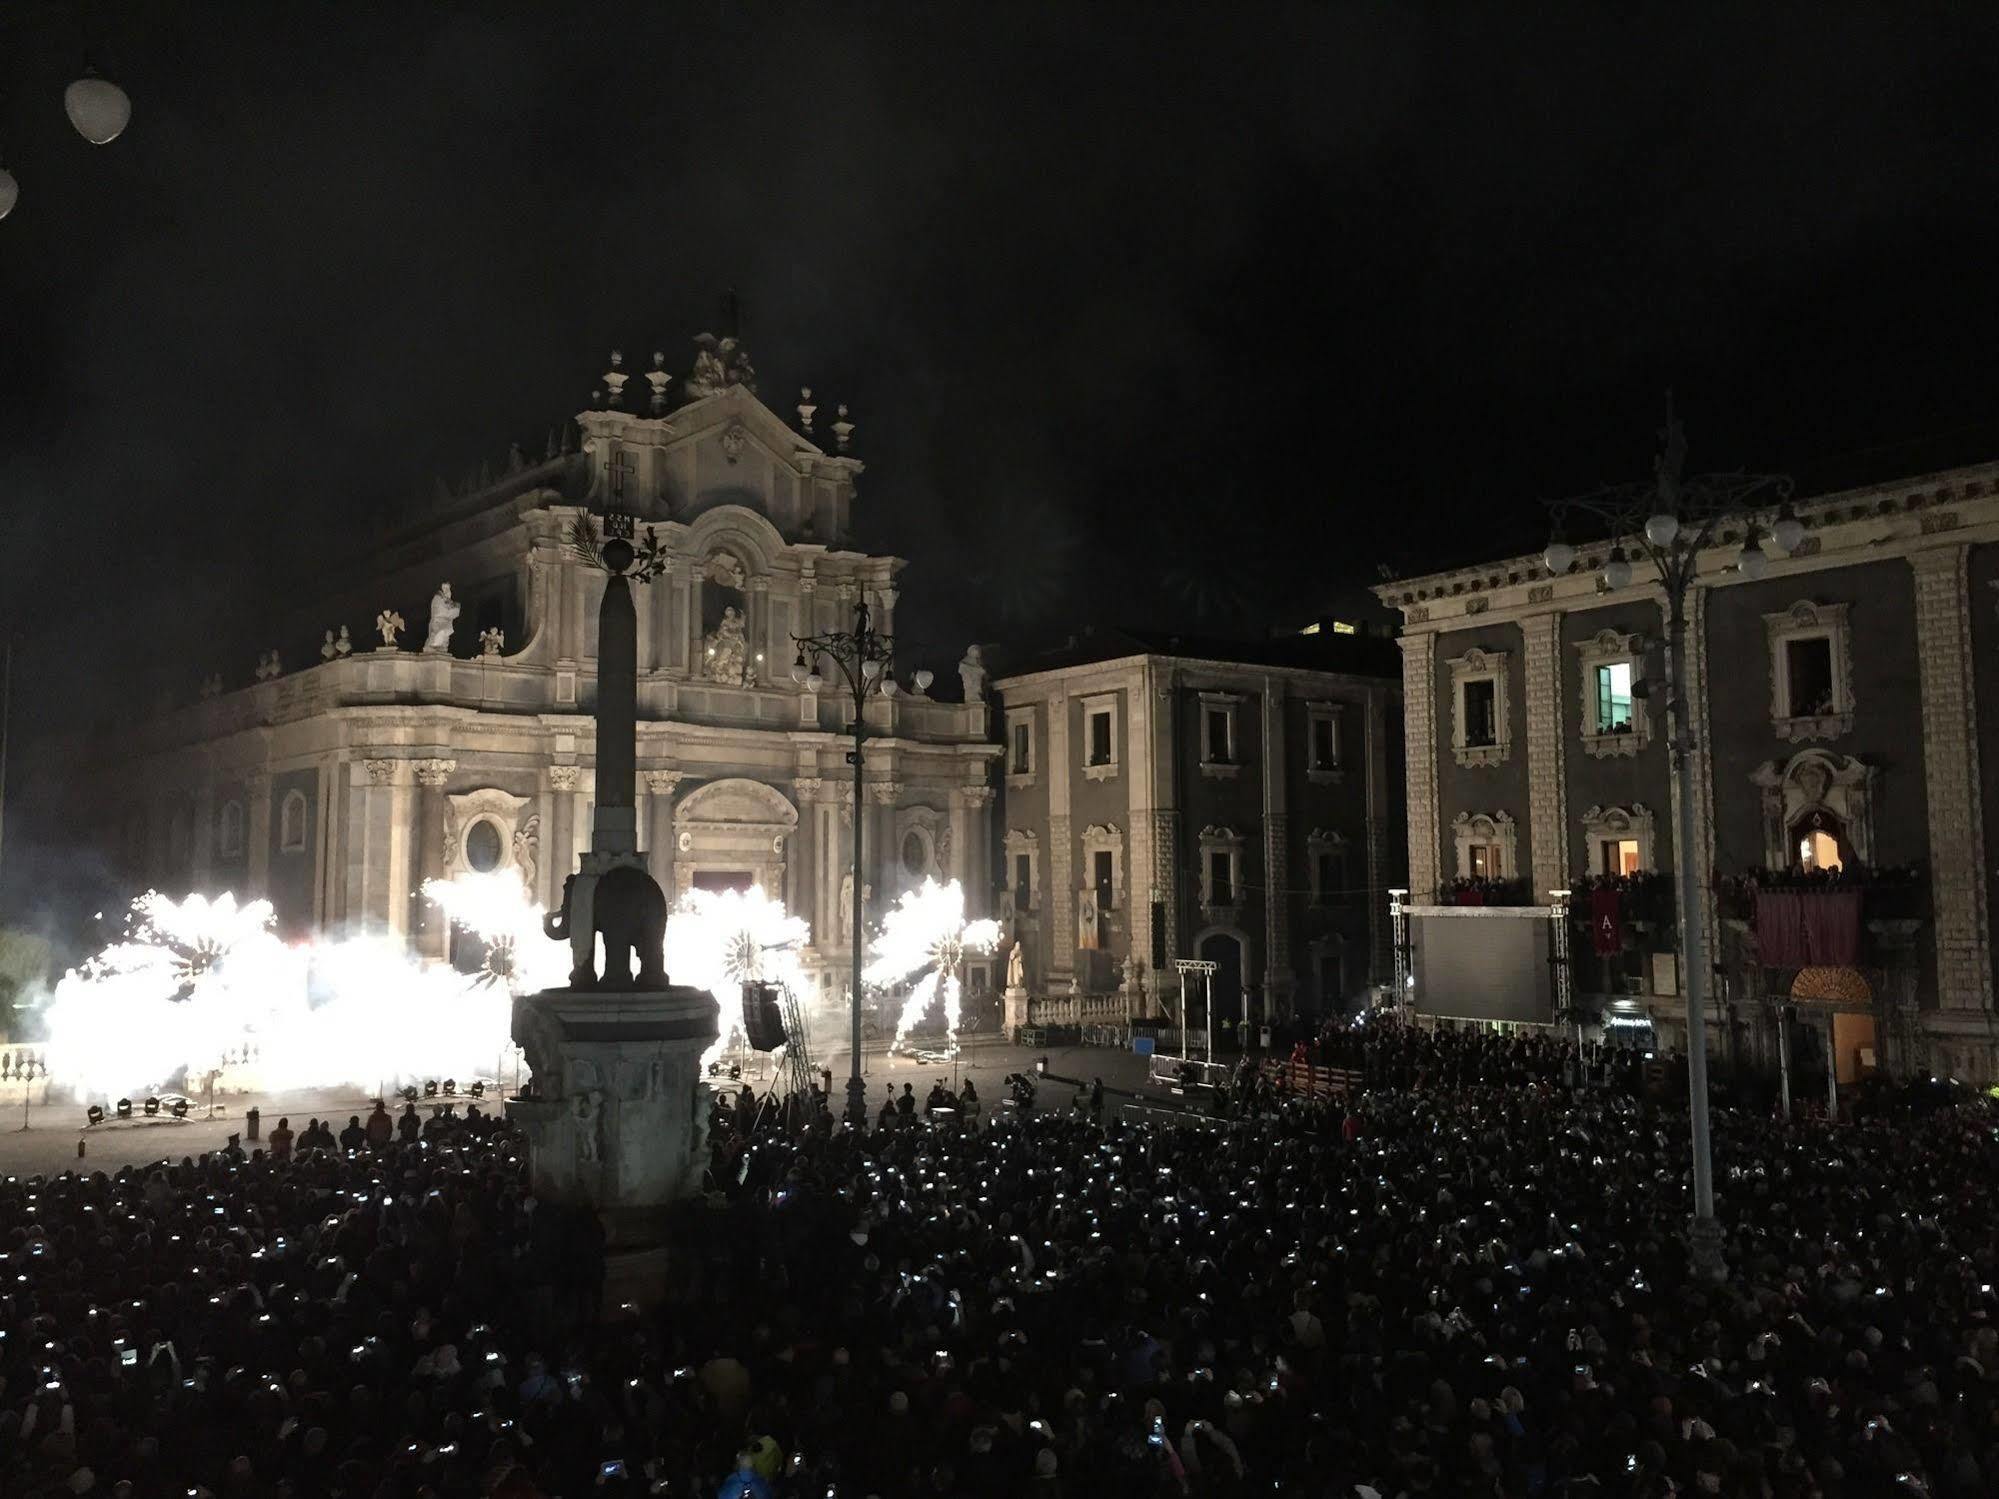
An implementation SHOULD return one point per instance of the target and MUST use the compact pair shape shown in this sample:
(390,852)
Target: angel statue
(390,624)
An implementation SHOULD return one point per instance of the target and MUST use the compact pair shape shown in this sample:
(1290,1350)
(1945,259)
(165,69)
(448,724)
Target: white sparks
(924,937)
(719,940)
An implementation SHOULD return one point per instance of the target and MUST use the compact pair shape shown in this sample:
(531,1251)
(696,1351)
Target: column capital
(808,788)
(885,793)
(433,772)
(664,782)
(564,777)
(382,772)
(976,796)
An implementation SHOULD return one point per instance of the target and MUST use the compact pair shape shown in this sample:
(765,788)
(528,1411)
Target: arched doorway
(1224,950)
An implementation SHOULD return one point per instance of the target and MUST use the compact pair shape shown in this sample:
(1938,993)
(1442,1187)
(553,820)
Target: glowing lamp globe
(871,668)
(98,108)
(1559,557)
(890,687)
(813,681)
(799,669)
(924,678)
(1660,529)
(1617,571)
(1753,562)
(10,192)
(1788,533)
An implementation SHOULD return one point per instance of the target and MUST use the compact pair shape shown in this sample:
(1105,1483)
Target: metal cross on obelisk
(613,893)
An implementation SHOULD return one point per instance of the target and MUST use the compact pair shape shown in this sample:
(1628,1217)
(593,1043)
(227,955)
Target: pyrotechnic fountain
(719,940)
(925,937)
(616,1117)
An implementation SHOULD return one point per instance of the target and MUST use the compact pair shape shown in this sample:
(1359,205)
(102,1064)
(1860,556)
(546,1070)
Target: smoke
(922,942)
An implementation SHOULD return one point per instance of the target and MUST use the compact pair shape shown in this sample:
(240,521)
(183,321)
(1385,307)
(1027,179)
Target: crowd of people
(1467,1279)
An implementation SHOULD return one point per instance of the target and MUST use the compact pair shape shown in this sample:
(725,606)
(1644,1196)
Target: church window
(291,823)
(1220,751)
(483,846)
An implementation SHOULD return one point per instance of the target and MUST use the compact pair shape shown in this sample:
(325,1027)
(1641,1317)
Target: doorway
(1225,952)
(722,879)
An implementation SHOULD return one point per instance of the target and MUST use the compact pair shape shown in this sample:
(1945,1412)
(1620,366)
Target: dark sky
(1143,316)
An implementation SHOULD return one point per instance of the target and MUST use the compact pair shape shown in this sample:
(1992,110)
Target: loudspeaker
(1158,935)
(763,1017)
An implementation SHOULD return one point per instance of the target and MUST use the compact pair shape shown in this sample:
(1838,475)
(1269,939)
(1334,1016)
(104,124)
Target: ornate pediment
(736,802)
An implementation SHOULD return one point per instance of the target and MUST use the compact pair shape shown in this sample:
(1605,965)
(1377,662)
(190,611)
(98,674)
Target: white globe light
(10,192)
(924,678)
(813,681)
(1788,533)
(98,108)
(1660,529)
(890,687)
(798,671)
(1559,557)
(1617,571)
(871,668)
(1753,563)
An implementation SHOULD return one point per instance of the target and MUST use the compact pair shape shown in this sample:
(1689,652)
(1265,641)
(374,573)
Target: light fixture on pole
(97,107)
(10,192)
(863,659)
(1671,521)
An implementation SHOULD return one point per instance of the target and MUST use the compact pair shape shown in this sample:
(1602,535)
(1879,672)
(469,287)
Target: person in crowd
(381,1128)
(354,1137)
(281,1141)
(409,1127)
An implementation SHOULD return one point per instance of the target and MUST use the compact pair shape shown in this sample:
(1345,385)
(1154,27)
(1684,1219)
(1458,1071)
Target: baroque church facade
(464,741)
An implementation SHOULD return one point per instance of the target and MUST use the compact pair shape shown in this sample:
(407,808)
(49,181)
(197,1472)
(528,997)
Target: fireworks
(495,908)
(719,940)
(925,937)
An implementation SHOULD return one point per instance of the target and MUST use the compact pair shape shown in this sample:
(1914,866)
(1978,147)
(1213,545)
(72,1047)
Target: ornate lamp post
(1670,522)
(863,658)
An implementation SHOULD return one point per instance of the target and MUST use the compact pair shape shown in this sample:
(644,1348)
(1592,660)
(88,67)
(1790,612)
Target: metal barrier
(1179,1073)
(1141,1113)
(1307,1081)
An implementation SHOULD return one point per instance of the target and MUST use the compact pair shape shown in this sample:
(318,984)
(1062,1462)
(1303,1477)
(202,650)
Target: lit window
(1484,861)
(1818,850)
(1621,856)
(1809,676)
(1613,698)
(1481,714)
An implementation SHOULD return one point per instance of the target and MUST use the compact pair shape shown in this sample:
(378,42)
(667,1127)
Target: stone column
(1419,726)
(1059,915)
(257,834)
(431,931)
(661,837)
(561,860)
(977,845)
(1276,841)
(378,844)
(887,861)
(1951,776)
(756,632)
(1547,783)
(1374,766)
(960,868)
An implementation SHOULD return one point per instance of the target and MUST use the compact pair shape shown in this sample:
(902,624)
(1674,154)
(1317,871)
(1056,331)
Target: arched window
(291,823)
(229,836)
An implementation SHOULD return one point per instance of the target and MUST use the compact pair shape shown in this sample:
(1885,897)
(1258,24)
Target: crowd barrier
(1306,1081)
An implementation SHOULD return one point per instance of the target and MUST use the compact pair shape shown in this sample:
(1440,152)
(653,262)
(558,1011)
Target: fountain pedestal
(618,1118)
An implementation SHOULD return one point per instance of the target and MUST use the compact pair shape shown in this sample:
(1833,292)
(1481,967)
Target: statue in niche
(727,570)
(726,650)
(847,901)
(1016,968)
(527,850)
(444,611)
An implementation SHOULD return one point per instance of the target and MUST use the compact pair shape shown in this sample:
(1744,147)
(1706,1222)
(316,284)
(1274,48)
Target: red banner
(1606,922)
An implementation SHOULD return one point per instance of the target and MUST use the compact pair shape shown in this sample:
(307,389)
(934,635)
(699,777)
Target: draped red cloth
(1808,928)
(1606,922)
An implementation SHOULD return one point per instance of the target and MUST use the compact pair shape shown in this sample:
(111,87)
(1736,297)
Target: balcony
(1476,891)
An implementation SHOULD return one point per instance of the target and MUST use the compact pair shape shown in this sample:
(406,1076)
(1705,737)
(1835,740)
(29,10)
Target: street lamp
(863,659)
(1671,521)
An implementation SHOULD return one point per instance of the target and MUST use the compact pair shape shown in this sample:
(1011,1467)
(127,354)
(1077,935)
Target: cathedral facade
(462,740)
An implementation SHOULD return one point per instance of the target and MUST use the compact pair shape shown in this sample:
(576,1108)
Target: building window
(1020,747)
(1487,845)
(915,854)
(1220,752)
(1221,867)
(1103,864)
(1811,671)
(1818,850)
(1023,862)
(1479,731)
(229,836)
(484,847)
(1326,855)
(1618,840)
(1100,747)
(1322,742)
(1614,719)
(291,823)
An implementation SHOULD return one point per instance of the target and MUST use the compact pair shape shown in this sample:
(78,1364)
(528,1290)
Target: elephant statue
(628,910)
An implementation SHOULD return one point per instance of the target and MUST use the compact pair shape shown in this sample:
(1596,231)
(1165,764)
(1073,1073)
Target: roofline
(1498,573)
(1196,663)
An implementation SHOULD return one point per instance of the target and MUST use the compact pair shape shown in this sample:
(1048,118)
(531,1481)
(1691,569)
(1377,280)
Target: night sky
(1144,318)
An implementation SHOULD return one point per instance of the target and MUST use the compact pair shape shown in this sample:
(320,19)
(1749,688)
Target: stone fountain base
(618,1115)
